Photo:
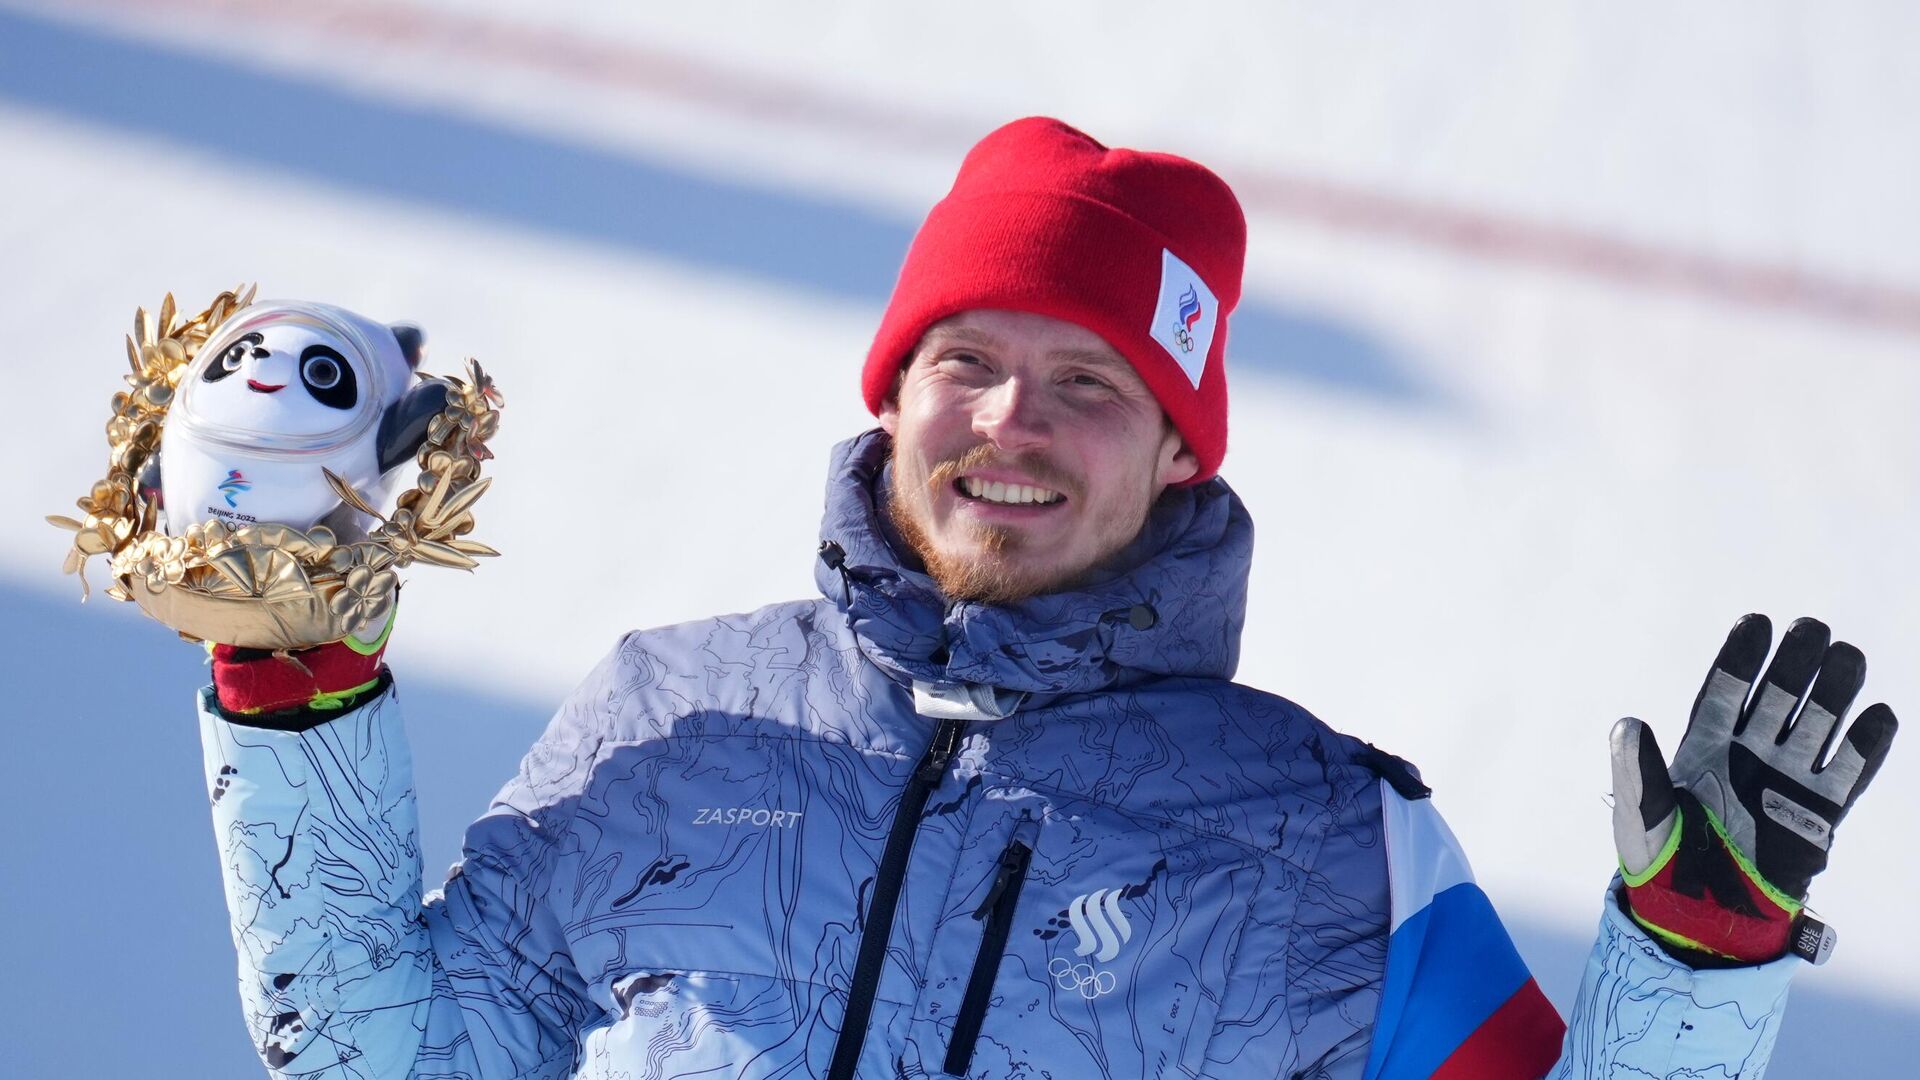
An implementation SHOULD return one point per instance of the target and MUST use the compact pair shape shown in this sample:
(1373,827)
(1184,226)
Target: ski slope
(1569,337)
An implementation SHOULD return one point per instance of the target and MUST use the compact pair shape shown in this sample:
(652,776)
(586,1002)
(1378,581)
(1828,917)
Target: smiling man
(991,805)
(1026,451)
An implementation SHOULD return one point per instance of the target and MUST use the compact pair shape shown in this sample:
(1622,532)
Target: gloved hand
(307,684)
(1717,854)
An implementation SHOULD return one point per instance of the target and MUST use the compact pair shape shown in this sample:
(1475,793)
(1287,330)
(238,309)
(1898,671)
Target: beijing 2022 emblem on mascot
(258,491)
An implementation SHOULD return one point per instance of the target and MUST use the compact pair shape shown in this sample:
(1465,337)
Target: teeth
(1012,494)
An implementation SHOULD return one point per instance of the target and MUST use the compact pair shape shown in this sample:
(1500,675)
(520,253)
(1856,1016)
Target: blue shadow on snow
(119,958)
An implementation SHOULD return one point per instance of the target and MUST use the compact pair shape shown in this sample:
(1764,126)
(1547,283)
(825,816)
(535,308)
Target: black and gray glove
(1718,852)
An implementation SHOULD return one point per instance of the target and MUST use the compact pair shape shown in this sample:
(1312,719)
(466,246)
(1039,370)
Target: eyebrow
(1091,359)
(965,334)
(1094,358)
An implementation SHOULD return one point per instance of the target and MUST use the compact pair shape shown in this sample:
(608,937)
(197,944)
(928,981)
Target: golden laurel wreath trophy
(256,487)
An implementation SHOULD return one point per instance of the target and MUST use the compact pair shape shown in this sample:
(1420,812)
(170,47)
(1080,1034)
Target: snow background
(1508,488)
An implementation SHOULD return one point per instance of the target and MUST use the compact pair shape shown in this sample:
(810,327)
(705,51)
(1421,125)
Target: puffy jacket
(878,835)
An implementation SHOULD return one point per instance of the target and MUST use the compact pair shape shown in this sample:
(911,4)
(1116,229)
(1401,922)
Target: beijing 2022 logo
(233,485)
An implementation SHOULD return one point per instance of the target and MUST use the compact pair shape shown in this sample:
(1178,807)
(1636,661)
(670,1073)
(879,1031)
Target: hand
(319,680)
(1718,853)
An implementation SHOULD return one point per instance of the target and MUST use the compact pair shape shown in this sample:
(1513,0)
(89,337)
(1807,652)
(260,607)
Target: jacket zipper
(886,897)
(997,911)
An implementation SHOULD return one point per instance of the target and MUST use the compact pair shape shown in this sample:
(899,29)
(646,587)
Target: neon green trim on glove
(1787,903)
(329,700)
(1660,861)
(1680,940)
(1740,859)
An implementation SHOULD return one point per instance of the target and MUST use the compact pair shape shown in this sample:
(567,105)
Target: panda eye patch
(232,357)
(328,378)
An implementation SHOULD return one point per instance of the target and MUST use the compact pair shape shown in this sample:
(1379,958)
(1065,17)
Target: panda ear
(148,483)
(413,342)
(403,427)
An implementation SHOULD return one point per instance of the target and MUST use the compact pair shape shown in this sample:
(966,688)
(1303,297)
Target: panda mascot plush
(284,390)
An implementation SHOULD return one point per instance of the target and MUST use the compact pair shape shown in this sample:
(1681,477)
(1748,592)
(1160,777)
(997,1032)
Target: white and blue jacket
(876,835)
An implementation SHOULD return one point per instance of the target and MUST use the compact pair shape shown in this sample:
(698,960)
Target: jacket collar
(1172,603)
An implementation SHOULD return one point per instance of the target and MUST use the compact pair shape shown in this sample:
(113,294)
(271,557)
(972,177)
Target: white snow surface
(1604,475)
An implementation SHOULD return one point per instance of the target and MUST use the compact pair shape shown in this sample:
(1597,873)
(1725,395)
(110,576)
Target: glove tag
(1812,940)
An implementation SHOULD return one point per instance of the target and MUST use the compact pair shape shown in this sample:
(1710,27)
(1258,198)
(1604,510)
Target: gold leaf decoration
(270,585)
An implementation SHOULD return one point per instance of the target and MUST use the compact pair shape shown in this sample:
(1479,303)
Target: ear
(403,427)
(1178,462)
(413,342)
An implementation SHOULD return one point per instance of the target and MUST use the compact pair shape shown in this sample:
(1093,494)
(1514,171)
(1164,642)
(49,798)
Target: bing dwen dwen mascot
(273,464)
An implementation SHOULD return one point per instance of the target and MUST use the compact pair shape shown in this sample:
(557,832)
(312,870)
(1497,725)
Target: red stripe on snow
(1343,207)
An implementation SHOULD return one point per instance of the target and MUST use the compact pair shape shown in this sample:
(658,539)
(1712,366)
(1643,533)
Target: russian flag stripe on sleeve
(1521,1038)
(1457,1001)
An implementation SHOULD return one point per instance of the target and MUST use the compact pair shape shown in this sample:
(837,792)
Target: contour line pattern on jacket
(675,882)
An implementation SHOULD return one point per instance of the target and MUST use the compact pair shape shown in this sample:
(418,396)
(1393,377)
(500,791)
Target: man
(991,806)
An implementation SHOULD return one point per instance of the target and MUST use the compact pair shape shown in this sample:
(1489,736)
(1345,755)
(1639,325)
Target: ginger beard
(1003,563)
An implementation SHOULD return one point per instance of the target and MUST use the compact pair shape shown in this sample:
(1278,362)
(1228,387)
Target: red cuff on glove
(1754,935)
(1703,896)
(324,678)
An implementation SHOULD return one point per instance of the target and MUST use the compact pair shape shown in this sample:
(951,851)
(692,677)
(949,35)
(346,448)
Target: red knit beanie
(1143,249)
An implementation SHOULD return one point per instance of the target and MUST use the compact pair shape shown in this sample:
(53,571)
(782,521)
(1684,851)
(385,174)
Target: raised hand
(1718,852)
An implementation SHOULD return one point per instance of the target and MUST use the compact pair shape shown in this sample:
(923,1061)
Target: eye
(328,378)
(321,372)
(966,364)
(231,358)
(1094,381)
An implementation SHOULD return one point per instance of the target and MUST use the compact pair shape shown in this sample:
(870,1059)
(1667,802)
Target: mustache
(983,456)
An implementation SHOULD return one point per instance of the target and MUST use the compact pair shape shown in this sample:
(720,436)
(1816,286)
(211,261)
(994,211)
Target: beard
(1000,567)
(982,577)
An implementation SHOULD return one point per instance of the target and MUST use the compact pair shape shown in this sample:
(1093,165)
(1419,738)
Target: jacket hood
(1173,602)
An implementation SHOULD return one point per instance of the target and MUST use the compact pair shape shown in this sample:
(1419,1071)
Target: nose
(273,369)
(1010,416)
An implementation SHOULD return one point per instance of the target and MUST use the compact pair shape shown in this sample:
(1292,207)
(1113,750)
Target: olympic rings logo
(1081,977)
